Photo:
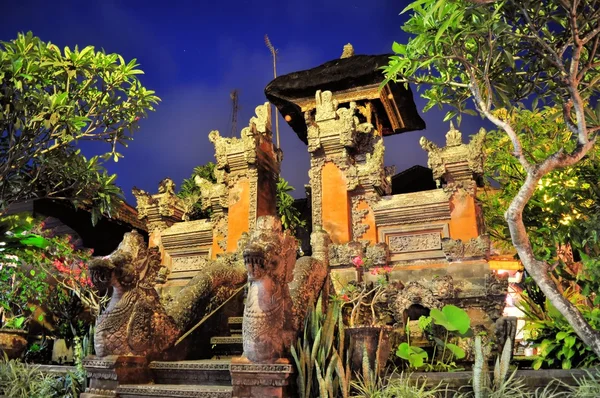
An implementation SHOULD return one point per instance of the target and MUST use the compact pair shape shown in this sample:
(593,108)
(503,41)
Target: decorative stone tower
(247,169)
(459,167)
(344,125)
(347,169)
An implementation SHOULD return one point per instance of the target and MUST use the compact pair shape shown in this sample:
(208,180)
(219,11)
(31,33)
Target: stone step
(227,345)
(205,372)
(235,324)
(172,391)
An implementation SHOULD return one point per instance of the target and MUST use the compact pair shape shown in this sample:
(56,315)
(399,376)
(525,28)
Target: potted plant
(367,329)
(18,293)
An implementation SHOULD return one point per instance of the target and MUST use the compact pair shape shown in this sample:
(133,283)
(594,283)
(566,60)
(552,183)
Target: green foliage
(558,344)
(290,216)
(30,264)
(460,47)
(19,380)
(509,57)
(415,356)
(321,359)
(70,384)
(502,386)
(397,385)
(20,287)
(586,387)
(51,100)
(565,207)
(451,319)
(190,190)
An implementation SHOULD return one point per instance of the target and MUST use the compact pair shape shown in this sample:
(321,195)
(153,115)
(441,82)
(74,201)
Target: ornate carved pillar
(458,167)
(347,174)
(247,170)
(160,211)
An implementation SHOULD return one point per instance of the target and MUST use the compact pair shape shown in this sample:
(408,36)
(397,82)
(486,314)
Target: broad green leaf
(458,352)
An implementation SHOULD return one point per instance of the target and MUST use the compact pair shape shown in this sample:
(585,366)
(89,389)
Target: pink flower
(137,118)
(345,297)
(358,262)
(375,271)
(387,269)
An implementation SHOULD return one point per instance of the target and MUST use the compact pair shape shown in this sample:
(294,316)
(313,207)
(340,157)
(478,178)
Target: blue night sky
(194,53)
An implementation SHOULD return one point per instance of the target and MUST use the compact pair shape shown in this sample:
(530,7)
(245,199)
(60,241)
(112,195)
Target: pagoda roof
(354,78)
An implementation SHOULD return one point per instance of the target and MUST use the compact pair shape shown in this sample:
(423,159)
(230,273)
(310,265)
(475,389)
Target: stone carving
(456,161)
(220,229)
(193,301)
(348,51)
(188,263)
(280,289)
(416,242)
(314,174)
(342,254)
(163,209)
(358,215)
(379,254)
(496,284)
(241,159)
(410,208)
(453,137)
(134,323)
(456,250)
(427,294)
(214,195)
(336,134)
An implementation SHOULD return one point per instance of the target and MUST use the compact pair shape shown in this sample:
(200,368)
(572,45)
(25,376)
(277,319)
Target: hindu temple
(210,307)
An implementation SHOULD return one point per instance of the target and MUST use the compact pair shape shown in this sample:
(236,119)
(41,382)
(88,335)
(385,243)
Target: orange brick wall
(335,207)
(463,222)
(239,211)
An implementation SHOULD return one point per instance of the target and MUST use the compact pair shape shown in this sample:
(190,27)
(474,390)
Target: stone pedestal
(108,372)
(261,380)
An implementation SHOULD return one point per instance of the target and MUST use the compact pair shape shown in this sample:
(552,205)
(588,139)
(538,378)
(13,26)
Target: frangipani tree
(51,99)
(511,55)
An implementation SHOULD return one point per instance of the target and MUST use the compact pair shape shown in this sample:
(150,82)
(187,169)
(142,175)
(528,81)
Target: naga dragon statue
(134,322)
(280,288)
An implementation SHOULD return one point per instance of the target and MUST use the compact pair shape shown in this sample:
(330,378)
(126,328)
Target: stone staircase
(206,378)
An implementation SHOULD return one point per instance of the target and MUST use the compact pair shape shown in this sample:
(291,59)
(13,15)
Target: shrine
(211,307)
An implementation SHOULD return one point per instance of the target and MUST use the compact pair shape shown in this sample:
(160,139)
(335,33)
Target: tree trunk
(539,270)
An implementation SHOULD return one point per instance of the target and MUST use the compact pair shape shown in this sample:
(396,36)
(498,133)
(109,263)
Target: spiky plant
(321,361)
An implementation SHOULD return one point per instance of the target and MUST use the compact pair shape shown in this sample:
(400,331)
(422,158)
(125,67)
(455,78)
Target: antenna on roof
(274,52)
(234,111)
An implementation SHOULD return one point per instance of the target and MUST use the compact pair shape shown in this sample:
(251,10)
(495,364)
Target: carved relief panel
(415,242)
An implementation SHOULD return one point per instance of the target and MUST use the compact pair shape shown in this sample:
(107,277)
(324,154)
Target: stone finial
(348,51)
(466,158)
(453,136)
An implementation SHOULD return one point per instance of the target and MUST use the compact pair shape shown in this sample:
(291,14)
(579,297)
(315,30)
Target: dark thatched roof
(343,74)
